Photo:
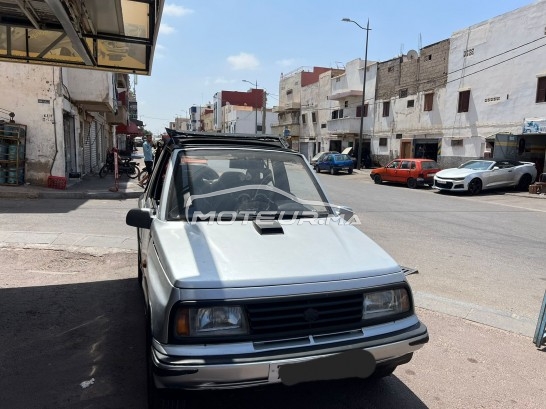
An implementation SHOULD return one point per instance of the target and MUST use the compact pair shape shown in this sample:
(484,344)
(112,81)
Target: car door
(503,174)
(324,164)
(391,171)
(151,200)
(403,173)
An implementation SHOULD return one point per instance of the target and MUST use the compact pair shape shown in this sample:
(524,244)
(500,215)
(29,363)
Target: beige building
(70,115)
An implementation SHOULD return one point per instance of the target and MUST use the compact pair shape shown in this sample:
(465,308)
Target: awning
(113,35)
(130,129)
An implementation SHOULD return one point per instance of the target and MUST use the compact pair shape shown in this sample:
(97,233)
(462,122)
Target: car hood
(456,173)
(212,255)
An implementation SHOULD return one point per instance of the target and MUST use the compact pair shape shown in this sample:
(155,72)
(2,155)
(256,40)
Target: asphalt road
(72,319)
(480,257)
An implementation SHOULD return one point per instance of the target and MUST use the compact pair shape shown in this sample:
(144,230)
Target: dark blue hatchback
(333,163)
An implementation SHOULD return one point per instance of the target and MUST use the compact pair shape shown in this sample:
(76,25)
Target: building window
(390,69)
(289,92)
(428,101)
(259,128)
(346,105)
(403,93)
(464,101)
(314,117)
(303,120)
(456,142)
(411,103)
(382,141)
(338,113)
(386,108)
(541,90)
(398,136)
(323,126)
(359,111)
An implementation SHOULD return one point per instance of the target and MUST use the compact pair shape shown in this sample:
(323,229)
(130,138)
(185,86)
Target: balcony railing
(120,118)
(276,129)
(288,106)
(344,94)
(344,126)
(93,90)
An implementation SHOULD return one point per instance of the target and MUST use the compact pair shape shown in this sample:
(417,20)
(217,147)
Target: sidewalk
(88,187)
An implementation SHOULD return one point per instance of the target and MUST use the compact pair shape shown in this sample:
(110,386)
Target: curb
(71,195)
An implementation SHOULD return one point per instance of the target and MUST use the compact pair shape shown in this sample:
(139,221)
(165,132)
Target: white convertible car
(477,175)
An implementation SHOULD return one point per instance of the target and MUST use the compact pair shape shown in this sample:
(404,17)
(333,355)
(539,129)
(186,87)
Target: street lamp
(359,164)
(255,104)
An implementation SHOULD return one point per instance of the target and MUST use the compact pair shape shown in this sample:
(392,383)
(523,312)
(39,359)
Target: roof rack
(179,136)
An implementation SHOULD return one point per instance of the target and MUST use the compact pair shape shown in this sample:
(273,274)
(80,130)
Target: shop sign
(534,125)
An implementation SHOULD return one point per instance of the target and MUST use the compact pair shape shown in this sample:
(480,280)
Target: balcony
(278,129)
(287,107)
(344,126)
(120,118)
(340,95)
(93,90)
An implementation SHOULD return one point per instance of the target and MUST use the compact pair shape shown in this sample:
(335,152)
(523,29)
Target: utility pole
(367,28)
(264,110)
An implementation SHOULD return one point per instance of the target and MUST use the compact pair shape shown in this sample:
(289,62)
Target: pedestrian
(147,147)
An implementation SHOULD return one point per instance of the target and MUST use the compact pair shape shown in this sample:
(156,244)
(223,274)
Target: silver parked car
(238,291)
(477,175)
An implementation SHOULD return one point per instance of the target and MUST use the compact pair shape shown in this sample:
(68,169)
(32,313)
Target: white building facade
(496,81)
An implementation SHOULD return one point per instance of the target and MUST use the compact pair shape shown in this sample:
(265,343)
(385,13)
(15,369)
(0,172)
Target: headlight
(381,304)
(457,178)
(210,321)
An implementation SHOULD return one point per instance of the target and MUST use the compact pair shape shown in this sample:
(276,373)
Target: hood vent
(265,227)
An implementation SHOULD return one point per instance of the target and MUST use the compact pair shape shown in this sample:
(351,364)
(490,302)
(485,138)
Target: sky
(208,46)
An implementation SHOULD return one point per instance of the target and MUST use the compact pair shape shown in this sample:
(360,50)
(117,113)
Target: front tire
(104,171)
(350,170)
(475,186)
(317,169)
(133,172)
(377,180)
(157,398)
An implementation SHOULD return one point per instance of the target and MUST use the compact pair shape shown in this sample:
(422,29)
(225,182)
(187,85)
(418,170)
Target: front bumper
(452,185)
(260,368)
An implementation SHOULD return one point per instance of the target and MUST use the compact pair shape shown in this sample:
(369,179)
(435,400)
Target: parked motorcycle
(125,166)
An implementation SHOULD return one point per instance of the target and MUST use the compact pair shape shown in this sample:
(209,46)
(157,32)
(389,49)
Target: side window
(405,165)
(393,165)
(412,166)
(156,183)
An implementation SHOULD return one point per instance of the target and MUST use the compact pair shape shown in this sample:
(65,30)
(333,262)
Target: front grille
(447,185)
(305,315)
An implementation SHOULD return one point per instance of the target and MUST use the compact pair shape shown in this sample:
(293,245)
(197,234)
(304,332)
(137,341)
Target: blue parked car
(333,163)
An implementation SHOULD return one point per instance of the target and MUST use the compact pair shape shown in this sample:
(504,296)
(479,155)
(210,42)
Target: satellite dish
(412,55)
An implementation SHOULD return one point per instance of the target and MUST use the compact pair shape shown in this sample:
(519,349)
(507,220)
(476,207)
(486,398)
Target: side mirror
(496,168)
(346,212)
(140,218)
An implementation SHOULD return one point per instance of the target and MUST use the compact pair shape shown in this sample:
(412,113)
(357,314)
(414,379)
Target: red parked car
(411,172)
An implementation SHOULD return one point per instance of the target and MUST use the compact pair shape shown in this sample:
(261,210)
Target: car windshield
(430,165)
(243,184)
(477,165)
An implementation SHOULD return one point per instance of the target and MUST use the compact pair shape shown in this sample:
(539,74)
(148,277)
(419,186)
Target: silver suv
(252,276)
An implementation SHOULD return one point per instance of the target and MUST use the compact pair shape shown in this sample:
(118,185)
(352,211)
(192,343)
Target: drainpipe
(54,123)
